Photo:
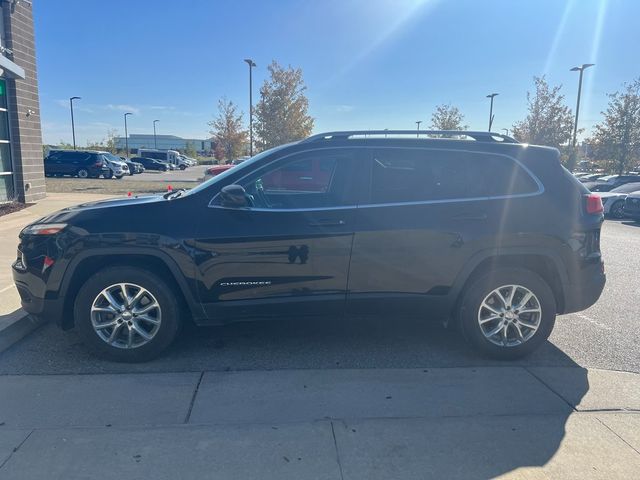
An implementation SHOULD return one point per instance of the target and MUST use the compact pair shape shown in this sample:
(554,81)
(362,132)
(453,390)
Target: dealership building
(163,142)
(21,166)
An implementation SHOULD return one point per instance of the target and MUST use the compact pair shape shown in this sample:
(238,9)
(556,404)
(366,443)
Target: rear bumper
(580,296)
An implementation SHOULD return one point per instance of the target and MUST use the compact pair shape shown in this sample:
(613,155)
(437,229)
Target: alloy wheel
(509,315)
(126,315)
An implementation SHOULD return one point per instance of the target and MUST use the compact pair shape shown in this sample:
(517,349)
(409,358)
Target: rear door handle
(327,223)
(470,216)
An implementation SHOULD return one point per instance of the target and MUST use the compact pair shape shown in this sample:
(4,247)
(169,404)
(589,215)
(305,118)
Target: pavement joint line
(193,398)
(551,389)
(16,448)
(612,431)
(335,445)
(6,289)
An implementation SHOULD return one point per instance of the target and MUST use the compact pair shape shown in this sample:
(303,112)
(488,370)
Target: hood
(610,194)
(66,214)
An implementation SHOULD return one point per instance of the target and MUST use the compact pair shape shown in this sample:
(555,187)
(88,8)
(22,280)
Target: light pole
(418,122)
(155,142)
(579,69)
(251,64)
(126,133)
(73,127)
(491,95)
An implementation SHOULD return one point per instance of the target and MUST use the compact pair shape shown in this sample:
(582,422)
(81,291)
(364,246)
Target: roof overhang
(11,69)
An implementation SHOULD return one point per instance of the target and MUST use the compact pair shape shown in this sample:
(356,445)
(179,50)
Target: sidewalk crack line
(551,389)
(335,445)
(193,398)
(16,449)
(616,434)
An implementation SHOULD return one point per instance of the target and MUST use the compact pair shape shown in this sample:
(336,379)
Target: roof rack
(477,136)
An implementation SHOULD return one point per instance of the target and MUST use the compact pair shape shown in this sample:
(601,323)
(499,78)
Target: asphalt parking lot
(191,174)
(604,336)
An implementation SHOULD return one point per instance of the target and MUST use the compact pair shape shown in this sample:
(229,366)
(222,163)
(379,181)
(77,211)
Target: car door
(427,212)
(288,252)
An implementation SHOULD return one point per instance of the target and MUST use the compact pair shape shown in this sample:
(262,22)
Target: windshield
(246,165)
(112,157)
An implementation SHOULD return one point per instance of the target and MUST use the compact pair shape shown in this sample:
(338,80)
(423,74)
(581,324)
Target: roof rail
(477,136)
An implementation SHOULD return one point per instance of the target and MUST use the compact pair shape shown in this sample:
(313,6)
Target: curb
(15,326)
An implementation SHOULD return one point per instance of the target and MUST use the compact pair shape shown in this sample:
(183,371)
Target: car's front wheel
(507,313)
(127,314)
(83,173)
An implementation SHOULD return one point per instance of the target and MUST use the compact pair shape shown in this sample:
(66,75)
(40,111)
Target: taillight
(593,204)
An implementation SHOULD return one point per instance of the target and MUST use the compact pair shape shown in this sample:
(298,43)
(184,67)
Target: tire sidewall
(83,173)
(169,327)
(482,286)
(617,213)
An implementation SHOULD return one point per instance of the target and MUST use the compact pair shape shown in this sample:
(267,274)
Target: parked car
(172,157)
(134,167)
(118,168)
(77,163)
(590,177)
(632,206)
(216,170)
(191,162)
(609,182)
(151,164)
(613,201)
(492,237)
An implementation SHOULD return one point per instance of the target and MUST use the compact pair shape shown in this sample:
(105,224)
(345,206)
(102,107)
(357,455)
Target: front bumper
(33,295)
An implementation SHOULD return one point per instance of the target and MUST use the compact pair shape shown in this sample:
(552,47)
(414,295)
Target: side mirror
(234,196)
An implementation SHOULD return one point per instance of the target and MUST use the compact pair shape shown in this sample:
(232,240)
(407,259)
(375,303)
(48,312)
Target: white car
(613,201)
(117,167)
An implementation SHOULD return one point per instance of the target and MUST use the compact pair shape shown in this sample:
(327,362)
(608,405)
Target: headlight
(43,229)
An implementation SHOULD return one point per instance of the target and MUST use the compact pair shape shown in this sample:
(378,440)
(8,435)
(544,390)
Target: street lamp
(491,95)
(126,133)
(73,127)
(418,122)
(579,69)
(155,142)
(251,64)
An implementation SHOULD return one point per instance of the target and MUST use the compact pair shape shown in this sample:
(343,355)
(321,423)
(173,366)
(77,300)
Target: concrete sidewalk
(341,424)
(13,325)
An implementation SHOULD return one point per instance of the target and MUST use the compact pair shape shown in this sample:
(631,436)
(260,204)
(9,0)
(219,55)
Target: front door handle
(470,216)
(327,223)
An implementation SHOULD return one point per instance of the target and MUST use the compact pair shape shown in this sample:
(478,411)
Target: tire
(471,311)
(162,334)
(83,173)
(183,167)
(617,210)
(120,177)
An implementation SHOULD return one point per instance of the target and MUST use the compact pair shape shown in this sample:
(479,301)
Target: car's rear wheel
(507,313)
(182,167)
(126,314)
(617,210)
(83,173)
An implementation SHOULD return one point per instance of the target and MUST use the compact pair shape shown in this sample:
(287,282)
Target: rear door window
(416,175)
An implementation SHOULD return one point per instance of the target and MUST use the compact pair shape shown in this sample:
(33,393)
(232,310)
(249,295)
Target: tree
(447,117)
(281,114)
(617,137)
(110,143)
(218,152)
(549,121)
(190,150)
(227,129)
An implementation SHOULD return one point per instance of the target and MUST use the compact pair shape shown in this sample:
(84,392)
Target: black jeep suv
(473,229)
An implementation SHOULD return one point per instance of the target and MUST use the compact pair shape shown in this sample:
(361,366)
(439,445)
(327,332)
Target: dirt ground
(111,186)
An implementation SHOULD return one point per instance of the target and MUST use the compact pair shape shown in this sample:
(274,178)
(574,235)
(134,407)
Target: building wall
(24,104)
(164,143)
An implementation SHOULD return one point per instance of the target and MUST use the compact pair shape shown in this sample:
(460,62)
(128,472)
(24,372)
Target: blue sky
(367,63)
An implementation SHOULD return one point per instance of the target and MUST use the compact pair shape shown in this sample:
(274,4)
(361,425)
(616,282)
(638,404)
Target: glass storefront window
(6,165)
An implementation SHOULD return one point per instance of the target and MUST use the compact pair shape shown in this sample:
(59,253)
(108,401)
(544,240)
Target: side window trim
(371,159)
